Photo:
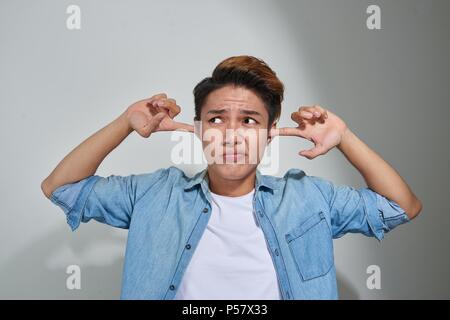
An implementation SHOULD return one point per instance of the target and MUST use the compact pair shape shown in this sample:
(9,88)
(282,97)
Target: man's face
(234,127)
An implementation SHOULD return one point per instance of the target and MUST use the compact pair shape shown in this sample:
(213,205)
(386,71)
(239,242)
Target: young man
(230,232)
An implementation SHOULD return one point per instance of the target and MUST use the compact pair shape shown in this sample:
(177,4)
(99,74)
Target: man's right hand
(155,114)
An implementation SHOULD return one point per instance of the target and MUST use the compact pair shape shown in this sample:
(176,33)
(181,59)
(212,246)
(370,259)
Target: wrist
(346,137)
(124,122)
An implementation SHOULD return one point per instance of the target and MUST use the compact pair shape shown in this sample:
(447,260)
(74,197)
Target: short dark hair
(248,72)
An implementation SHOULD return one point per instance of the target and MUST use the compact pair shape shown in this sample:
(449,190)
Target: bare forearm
(84,160)
(378,174)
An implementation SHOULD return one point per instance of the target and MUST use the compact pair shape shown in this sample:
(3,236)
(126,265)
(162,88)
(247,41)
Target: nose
(234,135)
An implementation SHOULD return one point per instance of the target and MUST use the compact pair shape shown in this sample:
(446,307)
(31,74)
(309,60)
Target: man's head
(236,108)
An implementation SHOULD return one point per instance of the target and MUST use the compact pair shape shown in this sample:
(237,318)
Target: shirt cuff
(383,214)
(391,213)
(72,197)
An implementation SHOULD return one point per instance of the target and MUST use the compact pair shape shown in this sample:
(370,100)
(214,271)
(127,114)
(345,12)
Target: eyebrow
(242,111)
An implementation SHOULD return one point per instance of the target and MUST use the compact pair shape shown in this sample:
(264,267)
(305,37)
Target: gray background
(58,86)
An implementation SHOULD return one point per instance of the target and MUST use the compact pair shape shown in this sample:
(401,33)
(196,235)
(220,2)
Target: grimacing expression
(234,131)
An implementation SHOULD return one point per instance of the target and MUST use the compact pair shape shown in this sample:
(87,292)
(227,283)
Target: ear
(269,138)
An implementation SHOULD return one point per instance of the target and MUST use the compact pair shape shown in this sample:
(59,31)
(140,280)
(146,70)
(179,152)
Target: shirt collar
(261,180)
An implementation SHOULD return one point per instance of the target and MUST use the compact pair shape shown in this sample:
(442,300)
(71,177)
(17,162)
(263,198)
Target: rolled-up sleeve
(108,200)
(72,197)
(360,210)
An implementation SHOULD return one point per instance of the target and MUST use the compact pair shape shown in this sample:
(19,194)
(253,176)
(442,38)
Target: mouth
(233,157)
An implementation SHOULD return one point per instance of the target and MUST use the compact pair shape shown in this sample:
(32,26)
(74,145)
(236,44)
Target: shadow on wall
(31,274)
(346,290)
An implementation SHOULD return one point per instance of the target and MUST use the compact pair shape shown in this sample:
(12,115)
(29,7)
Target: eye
(250,121)
(213,120)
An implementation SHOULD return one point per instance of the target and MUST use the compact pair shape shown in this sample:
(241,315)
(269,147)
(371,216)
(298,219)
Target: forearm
(84,160)
(378,174)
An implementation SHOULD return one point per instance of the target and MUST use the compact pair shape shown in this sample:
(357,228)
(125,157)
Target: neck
(231,188)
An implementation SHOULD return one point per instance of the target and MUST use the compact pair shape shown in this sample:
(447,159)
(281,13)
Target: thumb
(317,150)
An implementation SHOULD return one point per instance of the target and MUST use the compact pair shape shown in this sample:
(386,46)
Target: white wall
(58,86)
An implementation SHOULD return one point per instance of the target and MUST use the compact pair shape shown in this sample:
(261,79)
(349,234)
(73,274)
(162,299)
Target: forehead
(233,98)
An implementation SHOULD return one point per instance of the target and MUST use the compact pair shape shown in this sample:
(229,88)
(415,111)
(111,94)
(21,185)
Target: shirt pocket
(311,246)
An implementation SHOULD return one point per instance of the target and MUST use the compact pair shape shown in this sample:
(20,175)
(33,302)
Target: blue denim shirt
(166,213)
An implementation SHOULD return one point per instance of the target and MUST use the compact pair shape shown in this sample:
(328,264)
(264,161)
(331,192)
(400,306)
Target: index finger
(286,132)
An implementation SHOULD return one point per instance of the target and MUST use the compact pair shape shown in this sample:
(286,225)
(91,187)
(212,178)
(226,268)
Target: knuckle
(158,95)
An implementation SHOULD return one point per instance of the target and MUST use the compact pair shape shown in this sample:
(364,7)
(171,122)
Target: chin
(232,171)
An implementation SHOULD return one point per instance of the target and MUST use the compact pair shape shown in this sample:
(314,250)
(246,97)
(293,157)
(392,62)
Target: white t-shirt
(232,260)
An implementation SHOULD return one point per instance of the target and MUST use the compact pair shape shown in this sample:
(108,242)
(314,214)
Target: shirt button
(276,252)
(205,210)
(260,213)
(188,246)
(172,287)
